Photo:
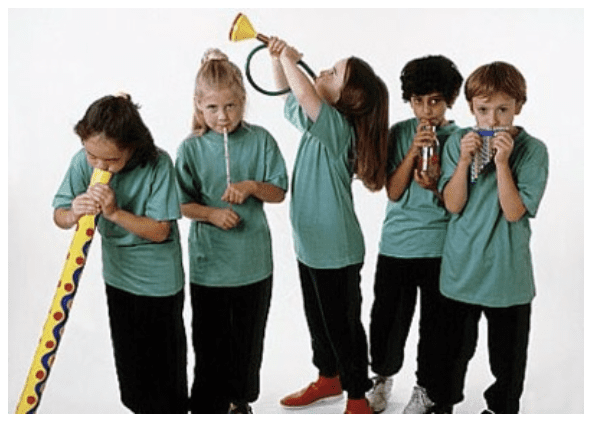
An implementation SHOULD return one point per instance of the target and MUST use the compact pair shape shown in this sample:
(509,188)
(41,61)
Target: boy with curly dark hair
(413,231)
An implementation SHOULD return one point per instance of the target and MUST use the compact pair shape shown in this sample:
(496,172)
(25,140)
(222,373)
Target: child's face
(430,107)
(330,82)
(222,109)
(497,110)
(102,153)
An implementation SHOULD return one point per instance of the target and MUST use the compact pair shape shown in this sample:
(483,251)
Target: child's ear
(518,107)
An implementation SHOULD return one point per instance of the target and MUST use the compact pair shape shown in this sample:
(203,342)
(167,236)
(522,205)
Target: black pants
(149,342)
(396,284)
(332,301)
(508,332)
(228,325)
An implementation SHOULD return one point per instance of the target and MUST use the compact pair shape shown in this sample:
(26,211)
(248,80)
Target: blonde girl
(226,170)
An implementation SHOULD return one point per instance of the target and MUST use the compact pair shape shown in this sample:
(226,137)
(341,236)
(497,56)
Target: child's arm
(400,178)
(83,204)
(299,83)
(455,193)
(275,46)
(237,193)
(223,218)
(145,227)
(509,196)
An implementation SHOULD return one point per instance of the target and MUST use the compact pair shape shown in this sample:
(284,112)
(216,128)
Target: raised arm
(287,73)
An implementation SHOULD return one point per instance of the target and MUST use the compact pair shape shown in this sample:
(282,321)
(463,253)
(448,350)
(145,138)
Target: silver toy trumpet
(485,155)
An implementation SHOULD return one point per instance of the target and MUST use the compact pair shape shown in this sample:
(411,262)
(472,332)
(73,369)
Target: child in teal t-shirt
(226,170)
(413,231)
(141,252)
(344,120)
(487,266)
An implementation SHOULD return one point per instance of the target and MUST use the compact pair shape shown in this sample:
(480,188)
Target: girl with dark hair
(344,119)
(142,264)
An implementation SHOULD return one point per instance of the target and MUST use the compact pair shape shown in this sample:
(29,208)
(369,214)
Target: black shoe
(240,408)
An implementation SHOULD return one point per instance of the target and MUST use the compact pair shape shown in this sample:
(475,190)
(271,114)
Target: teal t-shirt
(486,259)
(242,255)
(132,263)
(415,224)
(325,228)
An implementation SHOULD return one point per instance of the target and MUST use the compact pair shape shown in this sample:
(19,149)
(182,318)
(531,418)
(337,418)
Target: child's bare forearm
(455,193)
(302,88)
(400,178)
(509,197)
(142,226)
(267,192)
(280,79)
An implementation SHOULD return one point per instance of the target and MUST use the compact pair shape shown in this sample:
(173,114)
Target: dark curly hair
(117,118)
(429,74)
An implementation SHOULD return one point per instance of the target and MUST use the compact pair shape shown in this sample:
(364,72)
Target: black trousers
(150,351)
(228,327)
(397,282)
(332,302)
(508,332)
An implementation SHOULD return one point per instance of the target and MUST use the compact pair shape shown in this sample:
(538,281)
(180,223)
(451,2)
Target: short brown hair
(496,77)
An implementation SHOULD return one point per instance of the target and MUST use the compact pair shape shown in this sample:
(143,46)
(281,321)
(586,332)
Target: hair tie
(213,54)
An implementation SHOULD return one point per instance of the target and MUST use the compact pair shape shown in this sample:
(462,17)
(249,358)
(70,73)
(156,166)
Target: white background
(61,60)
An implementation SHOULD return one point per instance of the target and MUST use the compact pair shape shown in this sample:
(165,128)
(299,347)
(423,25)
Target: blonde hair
(216,73)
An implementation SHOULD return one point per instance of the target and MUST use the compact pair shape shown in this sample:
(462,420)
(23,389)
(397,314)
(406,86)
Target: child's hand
(503,143)
(84,204)
(470,144)
(106,198)
(291,54)
(425,180)
(237,193)
(424,137)
(276,46)
(224,218)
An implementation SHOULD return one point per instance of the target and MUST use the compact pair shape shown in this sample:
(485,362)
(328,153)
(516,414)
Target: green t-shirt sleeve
(331,128)
(188,186)
(75,182)
(532,177)
(163,203)
(276,171)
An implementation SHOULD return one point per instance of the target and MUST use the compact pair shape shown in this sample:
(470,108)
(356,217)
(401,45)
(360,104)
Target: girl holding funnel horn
(227,169)
(344,119)
(141,251)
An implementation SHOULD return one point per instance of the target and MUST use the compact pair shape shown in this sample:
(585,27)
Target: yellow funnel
(242,29)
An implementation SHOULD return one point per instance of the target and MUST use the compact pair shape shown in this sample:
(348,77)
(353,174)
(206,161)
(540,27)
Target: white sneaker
(380,393)
(419,402)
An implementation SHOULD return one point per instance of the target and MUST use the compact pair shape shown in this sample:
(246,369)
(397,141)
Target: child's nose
(427,109)
(101,165)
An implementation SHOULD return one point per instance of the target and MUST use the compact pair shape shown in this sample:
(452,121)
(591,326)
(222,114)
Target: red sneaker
(323,388)
(358,406)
